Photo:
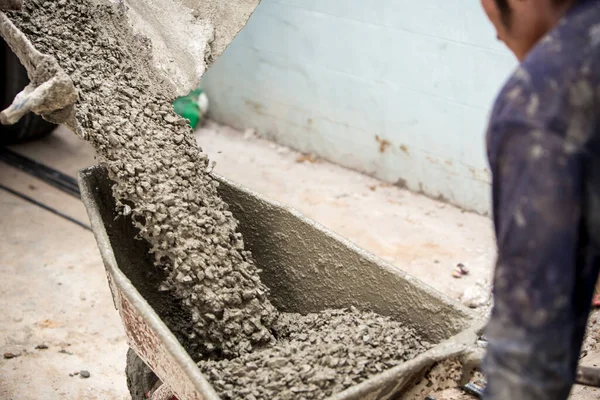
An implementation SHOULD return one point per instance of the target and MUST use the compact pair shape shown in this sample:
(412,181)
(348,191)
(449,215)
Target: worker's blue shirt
(544,151)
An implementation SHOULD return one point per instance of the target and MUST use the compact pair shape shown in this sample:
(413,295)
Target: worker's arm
(536,326)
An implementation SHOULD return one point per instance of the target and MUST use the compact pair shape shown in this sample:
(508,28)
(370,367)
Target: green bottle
(192,107)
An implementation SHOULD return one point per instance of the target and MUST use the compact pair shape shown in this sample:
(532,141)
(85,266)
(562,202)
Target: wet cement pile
(161,174)
(316,355)
(163,183)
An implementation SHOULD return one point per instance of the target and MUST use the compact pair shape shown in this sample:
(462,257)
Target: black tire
(13,79)
(140,378)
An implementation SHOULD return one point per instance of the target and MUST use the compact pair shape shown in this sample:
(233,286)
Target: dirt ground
(53,288)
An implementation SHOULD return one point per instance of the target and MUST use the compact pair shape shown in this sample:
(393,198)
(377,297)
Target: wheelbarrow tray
(307,268)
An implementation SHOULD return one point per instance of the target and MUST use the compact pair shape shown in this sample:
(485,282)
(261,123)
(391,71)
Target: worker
(543,145)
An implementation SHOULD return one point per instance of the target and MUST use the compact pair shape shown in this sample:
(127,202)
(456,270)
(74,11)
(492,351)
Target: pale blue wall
(330,76)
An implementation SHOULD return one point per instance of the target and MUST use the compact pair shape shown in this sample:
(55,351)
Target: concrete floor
(53,288)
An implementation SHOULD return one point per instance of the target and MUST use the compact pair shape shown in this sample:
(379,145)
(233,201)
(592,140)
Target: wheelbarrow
(306,267)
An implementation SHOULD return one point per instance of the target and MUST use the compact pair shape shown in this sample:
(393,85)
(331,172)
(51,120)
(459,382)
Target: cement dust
(163,183)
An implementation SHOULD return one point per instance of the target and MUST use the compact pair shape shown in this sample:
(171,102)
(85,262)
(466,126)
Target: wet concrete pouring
(163,184)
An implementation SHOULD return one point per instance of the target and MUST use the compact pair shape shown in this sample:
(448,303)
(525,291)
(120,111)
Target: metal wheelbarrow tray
(307,268)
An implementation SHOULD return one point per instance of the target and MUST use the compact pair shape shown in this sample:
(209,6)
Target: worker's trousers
(533,353)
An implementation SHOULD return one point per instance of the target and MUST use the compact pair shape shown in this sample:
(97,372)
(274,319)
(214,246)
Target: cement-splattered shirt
(544,151)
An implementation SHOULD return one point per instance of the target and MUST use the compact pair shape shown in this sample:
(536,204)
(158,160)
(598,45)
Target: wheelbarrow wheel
(140,378)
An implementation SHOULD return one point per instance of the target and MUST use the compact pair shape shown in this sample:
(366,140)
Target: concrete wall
(398,89)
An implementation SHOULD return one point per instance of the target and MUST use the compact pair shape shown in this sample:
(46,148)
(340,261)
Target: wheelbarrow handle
(588,376)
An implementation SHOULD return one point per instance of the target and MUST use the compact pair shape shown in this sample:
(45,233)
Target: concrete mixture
(316,355)
(163,182)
